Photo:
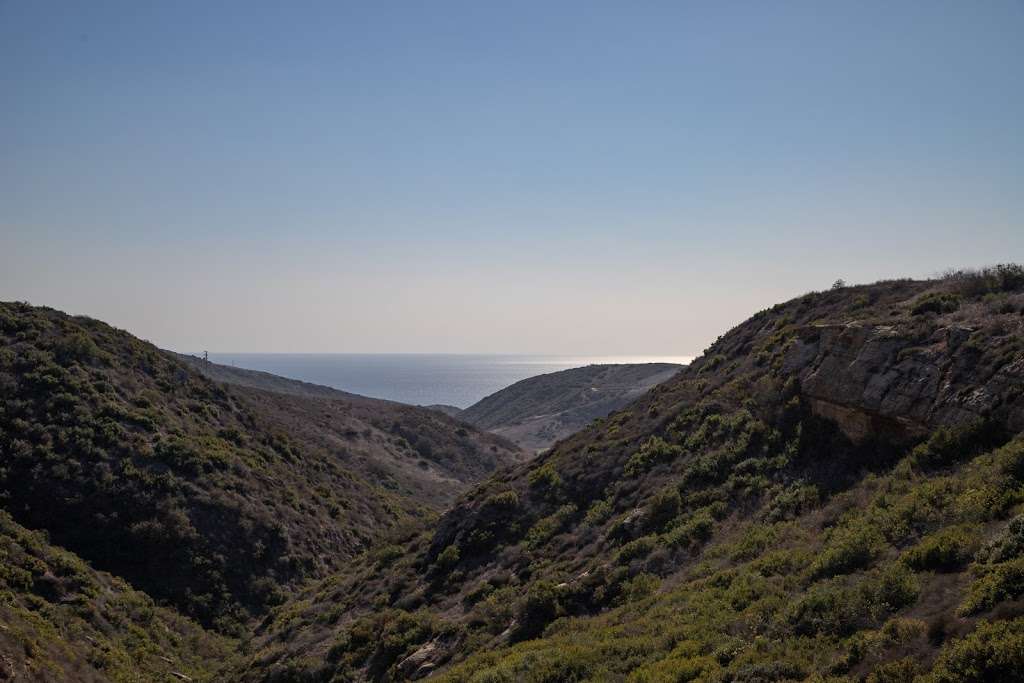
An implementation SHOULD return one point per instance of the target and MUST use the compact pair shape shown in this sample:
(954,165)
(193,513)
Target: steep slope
(834,489)
(257,379)
(213,498)
(407,450)
(538,411)
(62,621)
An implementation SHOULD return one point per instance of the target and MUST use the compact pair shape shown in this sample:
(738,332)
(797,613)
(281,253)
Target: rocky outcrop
(421,662)
(884,380)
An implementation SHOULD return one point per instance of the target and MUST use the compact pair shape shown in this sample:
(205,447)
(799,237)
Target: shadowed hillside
(538,411)
(214,498)
(834,489)
(62,621)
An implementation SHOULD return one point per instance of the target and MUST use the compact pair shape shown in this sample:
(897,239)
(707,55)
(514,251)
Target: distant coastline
(458,380)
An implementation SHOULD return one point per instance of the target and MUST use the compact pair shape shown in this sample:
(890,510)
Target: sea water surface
(419,378)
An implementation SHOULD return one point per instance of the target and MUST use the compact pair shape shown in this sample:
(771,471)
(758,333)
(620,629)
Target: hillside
(538,411)
(213,498)
(62,621)
(833,491)
(407,450)
(532,413)
(257,379)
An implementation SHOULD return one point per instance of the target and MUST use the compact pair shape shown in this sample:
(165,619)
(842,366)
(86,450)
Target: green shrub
(849,549)
(448,558)
(637,549)
(1010,459)
(948,445)
(651,452)
(537,609)
(1008,545)
(945,550)
(993,653)
(675,669)
(892,589)
(663,508)
(792,501)
(545,479)
(694,530)
(835,608)
(1005,277)
(639,587)
(77,347)
(782,562)
(936,302)
(598,513)
(997,583)
(547,527)
(754,541)
(506,500)
(900,671)
(824,609)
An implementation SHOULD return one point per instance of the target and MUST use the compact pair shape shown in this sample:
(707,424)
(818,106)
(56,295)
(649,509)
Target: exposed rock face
(881,380)
(421,662)
(886,374)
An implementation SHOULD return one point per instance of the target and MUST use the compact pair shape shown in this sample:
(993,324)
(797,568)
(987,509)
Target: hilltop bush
(1005,277)
(936,302)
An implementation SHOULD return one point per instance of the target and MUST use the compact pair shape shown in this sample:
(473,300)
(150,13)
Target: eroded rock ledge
(885,380)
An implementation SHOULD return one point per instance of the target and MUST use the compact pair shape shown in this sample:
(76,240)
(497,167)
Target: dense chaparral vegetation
(61,620)
(738,523)
(834,491)
(206,495)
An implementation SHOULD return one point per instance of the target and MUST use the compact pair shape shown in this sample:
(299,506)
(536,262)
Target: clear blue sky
(558,177)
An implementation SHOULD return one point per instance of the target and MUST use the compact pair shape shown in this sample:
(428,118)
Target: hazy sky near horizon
(526,177)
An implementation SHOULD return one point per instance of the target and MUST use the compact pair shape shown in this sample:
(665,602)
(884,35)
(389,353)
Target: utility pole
(206,357)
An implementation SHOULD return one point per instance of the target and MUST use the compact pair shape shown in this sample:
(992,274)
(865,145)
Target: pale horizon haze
(575,178)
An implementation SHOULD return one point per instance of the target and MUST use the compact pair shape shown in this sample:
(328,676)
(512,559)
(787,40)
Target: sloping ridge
(408,450)
(257,379)
(538,411)
(835,487)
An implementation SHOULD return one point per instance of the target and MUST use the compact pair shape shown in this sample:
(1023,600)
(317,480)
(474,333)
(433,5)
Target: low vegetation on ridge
(776,512)
(538,411)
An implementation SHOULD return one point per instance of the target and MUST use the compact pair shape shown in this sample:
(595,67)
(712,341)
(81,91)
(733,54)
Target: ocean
(420,379)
